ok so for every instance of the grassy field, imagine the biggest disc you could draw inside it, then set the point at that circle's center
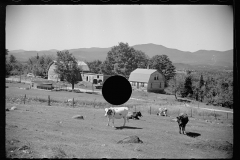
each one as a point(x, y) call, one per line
point(36, 130)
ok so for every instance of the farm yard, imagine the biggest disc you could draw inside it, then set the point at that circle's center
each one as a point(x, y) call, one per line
point(37, 129)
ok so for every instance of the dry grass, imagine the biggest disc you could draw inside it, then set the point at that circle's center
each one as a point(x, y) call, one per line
point(55, 134)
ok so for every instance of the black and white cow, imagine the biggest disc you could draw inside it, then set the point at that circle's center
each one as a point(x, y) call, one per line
point(182, 120)
point(116, 113)
point(134, 115)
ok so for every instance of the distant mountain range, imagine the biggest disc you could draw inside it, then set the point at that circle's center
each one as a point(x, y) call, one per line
point(202, 59)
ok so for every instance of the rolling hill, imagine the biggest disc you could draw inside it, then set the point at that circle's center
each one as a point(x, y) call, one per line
point(181, 59)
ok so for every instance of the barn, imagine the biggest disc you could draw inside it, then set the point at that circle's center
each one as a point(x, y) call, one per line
point(149, 80)
point(94, 78)
point(52, 75)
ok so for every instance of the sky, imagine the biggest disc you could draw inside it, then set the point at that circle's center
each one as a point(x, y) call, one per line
point(183, 27)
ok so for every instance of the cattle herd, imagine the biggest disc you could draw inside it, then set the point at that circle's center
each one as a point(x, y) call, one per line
point(123, 112)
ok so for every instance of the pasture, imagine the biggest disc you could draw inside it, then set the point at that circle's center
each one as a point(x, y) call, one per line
point(36, 130)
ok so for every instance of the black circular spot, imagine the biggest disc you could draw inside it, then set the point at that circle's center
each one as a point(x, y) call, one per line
point(116, 90)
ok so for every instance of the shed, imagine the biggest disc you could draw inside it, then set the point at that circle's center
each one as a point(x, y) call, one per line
point(42, 85)
point(150, 80)
point(93, 77)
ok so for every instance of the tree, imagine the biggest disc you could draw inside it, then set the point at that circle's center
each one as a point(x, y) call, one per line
point(95, 66)
point(39, 66)
point(176, 84)
point(201, 81)
point(210, 89)
point(17, 68)
point(187, 87)
point(37, 56)
point(123, 59)
point(163, 64)
point(12, 59)
point(8, 68)
point(13, 67)
point(201, 89)
point(6, 52)
point(67, 67)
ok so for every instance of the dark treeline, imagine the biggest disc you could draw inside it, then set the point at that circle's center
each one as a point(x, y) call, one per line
point(211, 87)
point(36, 65)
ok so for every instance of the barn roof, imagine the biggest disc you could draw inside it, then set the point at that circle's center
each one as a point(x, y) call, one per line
point(141, 75)
point(83, 65)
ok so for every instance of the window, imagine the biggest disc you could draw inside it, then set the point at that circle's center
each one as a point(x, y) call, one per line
point(97, 76)
point(142, 85)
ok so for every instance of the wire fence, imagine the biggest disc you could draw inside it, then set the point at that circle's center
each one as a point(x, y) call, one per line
point(144, 107)
point(175, 110)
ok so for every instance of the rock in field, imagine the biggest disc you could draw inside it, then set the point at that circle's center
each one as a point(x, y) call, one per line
point(78, 117)
point(131, 139)
point(13, 108)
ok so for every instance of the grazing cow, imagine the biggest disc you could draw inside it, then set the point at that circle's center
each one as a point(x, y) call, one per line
point(162, 112)
point(134, 115)
point(182, 120)
point(116, 112)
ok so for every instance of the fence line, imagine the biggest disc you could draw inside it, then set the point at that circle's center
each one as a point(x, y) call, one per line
point(191, 106)
point(192, 112)
point(210, 109)
point(153, 110)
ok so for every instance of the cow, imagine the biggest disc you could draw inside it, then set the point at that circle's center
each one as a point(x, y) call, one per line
point(134, 115)
point(182, 120)
point(116, 113)
point(162, 112)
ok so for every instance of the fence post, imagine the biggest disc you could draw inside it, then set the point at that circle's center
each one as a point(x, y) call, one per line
point(135, 108)
point(24, 98)
point(191, 112)
point(150, 110)
point(94, 103)
point(227, 115)
point(48, 100)
point(73, 102)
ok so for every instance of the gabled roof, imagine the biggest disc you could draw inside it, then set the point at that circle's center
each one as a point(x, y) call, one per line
point(83, 65)
point(141, 75)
